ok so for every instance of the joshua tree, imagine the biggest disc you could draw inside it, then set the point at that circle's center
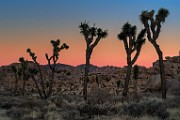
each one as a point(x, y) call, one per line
point(92, 36)
point(54, 58)
point(25, 73)
point(153, 27)
point(46, 90)
point(131, 44)
point(17, 75)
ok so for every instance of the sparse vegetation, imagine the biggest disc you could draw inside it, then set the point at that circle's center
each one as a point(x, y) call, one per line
point(65, 97)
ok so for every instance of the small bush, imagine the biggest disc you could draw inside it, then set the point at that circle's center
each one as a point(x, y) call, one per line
point(30, 103)
point(6, 105)
point(173, 102)
point(135, 110)
point(17, 113)
point(70, 115)
point(99, 96)
point(91, 109)
point(152, 108)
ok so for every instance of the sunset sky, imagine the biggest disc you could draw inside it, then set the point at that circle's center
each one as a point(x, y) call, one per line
point(33, 23)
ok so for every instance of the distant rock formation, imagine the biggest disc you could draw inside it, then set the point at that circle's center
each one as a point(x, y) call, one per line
point(69, 79)
point(175, 59)
point(172, 71)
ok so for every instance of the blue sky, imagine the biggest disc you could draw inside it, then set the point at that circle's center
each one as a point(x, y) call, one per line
point(29, 23)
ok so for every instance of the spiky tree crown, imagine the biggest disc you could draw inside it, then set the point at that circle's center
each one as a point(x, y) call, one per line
point(32, 54)
point(21, 60)
point(140, 38)
point(162, 14)
point(24, 63)
point(127, 30)
point(56, 48)
point(160, 17)
point(130, 31)
point(93, 31)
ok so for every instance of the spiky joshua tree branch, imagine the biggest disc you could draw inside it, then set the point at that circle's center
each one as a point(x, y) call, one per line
point(44, 93)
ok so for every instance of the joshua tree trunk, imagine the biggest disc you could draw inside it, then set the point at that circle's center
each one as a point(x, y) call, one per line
point(162, 71)
point(88, 56)
point(36, 84)
point(42, 80)
point(128, 75)
point(51, 84)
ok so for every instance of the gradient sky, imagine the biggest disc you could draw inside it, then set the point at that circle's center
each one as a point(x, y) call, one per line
point(33, 23)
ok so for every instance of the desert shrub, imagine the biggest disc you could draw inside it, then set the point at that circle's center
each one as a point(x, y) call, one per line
point(8, 102)
point(30, 103)
point(17, 113)
point(173, 102)
point(152, 108)
point(93, 109)
point(57, 100)
point(175, 91)
point(155, 108)
point(70, 115)
point(6, 105)
point(174, 113)
point(99, 96)
point(53, 115)
point(134, 110)
point(28, 118)
point(70, 97)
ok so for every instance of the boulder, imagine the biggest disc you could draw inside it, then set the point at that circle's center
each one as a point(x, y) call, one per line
point(155, 82)
point(174, 85)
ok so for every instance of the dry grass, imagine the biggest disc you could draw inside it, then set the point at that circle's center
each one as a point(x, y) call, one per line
point(71, 107)
point(174, 113)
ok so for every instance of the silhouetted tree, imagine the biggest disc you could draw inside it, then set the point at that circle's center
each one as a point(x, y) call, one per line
point(54, 58)
point(25, 72)
point(153, 28)
point(92, 36)
point(17, 75)
point(46, 89)
point(131, 44)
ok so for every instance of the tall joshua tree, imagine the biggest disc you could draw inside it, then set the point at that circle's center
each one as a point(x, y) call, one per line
point(24, 69)
point(46, 90)
point(54, 58)
point(17, 75)
point(153, 27)
point(132, 44)
point(92, 36)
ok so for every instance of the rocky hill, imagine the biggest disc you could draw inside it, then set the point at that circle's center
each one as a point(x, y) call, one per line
point(69, 79)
